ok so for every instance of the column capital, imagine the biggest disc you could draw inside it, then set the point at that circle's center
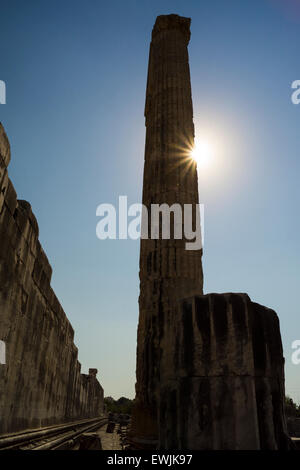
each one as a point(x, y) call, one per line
point(172, 22)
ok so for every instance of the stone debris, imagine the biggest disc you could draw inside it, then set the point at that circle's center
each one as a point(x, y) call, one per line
point(90, 441)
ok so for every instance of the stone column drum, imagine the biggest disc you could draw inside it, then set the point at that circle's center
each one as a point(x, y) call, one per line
point(222, 379)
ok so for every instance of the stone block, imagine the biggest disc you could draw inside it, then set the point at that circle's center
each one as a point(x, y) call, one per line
point(222, 377)
point(11, 197)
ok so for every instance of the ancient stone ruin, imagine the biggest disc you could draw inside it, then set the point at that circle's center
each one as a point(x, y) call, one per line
point(210, 368)
point(40, 383)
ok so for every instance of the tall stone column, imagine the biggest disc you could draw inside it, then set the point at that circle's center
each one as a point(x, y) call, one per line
point(168, 271)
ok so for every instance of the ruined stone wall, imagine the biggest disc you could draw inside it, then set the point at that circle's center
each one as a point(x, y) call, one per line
point(41, 382)
point(222, 377)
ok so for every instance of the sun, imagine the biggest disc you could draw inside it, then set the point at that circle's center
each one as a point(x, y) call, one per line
point(202, 153)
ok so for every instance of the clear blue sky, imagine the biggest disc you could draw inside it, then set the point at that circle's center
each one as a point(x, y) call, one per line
point(76, 76)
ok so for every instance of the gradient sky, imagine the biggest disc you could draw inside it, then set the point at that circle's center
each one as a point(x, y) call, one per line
point(76, 76)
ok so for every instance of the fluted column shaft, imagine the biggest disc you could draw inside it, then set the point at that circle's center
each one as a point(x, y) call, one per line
point(168, 271)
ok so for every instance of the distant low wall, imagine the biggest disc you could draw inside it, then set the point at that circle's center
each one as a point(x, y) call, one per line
point(293, 425)
point(41, 382)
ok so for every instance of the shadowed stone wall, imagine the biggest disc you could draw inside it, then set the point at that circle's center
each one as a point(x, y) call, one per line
point(41, 382)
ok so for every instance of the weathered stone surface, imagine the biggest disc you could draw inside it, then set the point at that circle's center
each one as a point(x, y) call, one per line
point(4, 146)
point(222, 377)
point(41, 382)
